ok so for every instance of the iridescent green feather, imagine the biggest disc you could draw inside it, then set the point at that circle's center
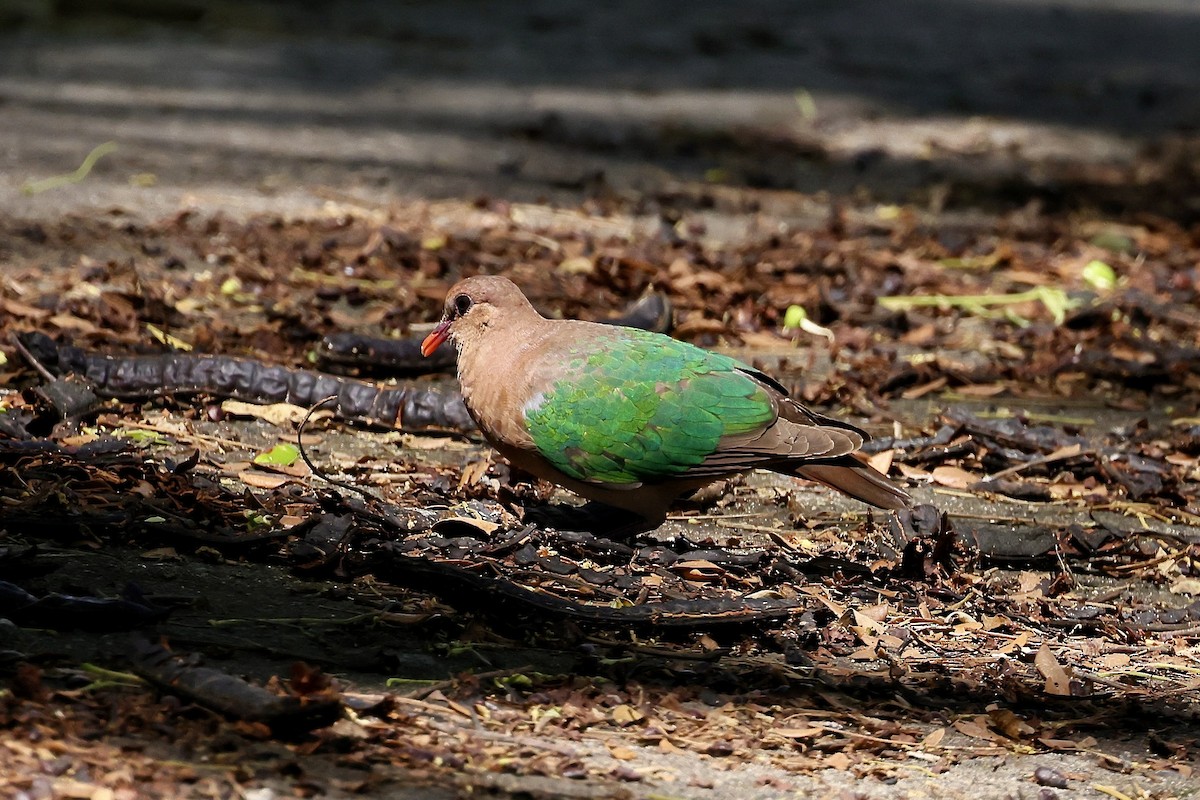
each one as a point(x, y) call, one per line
point(635, 406)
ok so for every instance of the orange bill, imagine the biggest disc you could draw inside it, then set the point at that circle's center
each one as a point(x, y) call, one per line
point(435, 338)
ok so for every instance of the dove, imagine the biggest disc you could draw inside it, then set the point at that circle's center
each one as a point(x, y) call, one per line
point(630, 418)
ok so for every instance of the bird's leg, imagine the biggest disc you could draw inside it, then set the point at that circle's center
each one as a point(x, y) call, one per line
point(617, 523)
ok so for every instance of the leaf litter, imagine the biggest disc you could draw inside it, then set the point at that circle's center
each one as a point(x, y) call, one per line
point(1059, 609)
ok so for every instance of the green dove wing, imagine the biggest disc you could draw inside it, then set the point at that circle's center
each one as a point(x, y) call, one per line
point(639, 407)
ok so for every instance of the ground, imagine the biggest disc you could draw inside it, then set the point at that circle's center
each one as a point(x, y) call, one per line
point(284, 173)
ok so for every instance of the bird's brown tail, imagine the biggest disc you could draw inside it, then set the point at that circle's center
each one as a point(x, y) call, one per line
point(859, 480)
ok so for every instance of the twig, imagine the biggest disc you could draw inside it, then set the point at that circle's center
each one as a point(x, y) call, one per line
point(417, 695)
point(29, 357)
point(221, 623)
point(317, 471)
point(1059, 455)
point(508, 738)
point(183, 436)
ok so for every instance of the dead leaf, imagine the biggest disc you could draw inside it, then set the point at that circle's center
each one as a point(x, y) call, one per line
point(933, 739)
point(16, 309)
point(1058, 744)
point(69, 322)
point(798, 733)
point(882, 460)
point(1057, 680)
point(913, 473)
point(917, 392)
point(281, 415)
point(466, 526)
point(976, 731)
point(1186, 586)
point(983, 389)
point(953, 477)
point(473, 472)
point(698, 570)
point(579, 265)
point(1009, 724)
point(1115, 660)
point(261, 480)
point(839, 761)
point(161, 554)
point(625, 715)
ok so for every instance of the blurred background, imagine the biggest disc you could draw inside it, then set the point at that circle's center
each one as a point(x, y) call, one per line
point(949, 104)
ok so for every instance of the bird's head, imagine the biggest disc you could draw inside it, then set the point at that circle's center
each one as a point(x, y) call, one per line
point(472, 306)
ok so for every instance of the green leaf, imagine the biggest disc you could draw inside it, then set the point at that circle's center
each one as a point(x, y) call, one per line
point(142, 437)
point(1100, 276)
point(1113, 241)
point(257, 520)
point(1055, 301)
point(281, 455)
point(515, 681)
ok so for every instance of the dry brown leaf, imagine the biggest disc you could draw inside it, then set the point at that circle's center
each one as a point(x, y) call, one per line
point(965, 623)
point(917, 392)
point(1058, 744)
point(920, 335)
point(1190, 586)
point(76, 441)
point(621, 753)
point(1115, 660)
point(667, 747)
point(73, 789)
point(975, 730)
point(466, 526)
point(1057, 680)
point(161, 554)
point(473, 472)
point(798, 733)
point(838, 761)
point(882, 460)
point(70, 322)
point(913, 473)
point(412, 441)
point(625, 715)
point(991, 623)
point(17, 309)
point(698, 570)
point(953, 477)
point(876, 613)
point(262, 480)
point(983, 389)
point(1009, 724)
point(933, 738)
point(281, 415)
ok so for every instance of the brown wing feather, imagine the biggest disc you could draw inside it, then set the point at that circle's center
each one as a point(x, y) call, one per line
point(808, 445)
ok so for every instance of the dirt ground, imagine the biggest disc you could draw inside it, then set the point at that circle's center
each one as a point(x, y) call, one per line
point(285, 171)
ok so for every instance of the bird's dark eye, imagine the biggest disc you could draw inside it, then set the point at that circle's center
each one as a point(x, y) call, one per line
point(462, 304)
